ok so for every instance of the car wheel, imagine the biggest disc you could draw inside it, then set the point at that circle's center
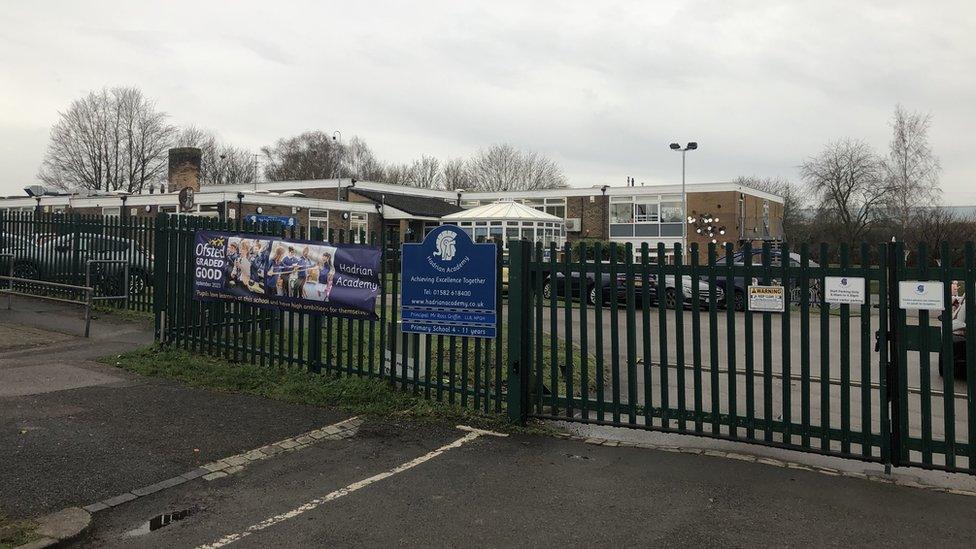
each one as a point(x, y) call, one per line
point(670, 298)
point(547, 290)
point(591, 295)
point(26, 270)
point(739, 301)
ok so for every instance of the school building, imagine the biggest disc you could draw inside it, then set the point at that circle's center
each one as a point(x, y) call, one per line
point(719, 212)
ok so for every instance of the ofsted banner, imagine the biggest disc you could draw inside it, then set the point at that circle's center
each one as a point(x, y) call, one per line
point(294, 275)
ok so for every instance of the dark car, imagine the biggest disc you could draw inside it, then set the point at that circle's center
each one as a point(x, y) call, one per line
point(63, 259)
point(736, 292)
point(614, 287)
point(611, 287)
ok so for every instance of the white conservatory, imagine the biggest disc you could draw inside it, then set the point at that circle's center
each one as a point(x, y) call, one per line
point(509, 220)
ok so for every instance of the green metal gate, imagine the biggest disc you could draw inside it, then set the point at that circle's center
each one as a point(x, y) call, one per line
point(592, 340)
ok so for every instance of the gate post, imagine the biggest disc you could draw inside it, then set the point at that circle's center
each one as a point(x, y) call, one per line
point(518, 312)
point(892, 382)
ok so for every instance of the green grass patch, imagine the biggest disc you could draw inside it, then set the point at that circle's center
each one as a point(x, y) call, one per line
point(15, 532)
point(371, 397)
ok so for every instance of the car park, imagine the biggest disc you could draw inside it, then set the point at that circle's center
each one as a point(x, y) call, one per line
point(736, 290)
point(64, 259)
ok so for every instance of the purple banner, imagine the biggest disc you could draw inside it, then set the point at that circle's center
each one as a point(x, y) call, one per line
point(293, 275)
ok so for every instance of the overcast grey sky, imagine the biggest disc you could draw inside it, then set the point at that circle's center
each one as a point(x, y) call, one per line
point(601, 87)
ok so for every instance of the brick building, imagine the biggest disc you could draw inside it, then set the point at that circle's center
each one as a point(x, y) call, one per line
point(624, 214)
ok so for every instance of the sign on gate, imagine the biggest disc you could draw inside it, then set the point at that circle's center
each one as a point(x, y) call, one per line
point(918, 294)
point(296, 275)
point(846, 290)
point(449, 285)
point(767, 299)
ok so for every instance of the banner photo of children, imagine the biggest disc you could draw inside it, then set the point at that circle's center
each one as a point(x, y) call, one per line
point(297, 275)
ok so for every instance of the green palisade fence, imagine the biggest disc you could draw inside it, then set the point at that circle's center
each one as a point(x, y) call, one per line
point(55, 247)
point(641, 337)
point(462, 371)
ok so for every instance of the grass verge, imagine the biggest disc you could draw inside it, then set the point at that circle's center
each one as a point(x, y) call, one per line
point(14, 533)
point(371, 397)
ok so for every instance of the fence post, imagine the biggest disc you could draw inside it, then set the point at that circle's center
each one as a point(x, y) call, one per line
point(518, 312)
point(160, 243)
point(892, 382)
point(315, 322)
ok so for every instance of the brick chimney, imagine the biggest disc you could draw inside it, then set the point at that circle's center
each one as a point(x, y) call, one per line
point(184, 168)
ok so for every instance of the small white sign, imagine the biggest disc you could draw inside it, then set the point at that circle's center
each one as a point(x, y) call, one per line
point(767, 299)
point(918, 294)
point(847, 290)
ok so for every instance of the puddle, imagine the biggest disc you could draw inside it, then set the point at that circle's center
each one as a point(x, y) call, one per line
point(160, 521)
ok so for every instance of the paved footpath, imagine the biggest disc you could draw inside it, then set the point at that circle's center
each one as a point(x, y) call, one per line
point(74, 431)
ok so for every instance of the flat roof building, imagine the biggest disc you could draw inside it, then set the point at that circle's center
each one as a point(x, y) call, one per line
point(652, 214)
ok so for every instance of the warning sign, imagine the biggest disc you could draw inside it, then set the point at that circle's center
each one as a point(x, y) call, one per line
point(767, 299)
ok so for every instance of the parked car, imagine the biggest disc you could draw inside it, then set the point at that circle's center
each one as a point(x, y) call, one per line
point(15, 244)
point(64, 259)
point(958, 319)
point(615, 288)
point(737, 290)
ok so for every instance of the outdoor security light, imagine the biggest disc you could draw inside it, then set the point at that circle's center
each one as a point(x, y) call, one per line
point(692, 145)
point(675, 147)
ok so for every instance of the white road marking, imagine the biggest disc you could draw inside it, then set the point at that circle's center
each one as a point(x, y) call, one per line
point(271, 521)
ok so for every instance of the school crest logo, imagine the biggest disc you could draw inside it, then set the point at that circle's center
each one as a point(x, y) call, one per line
point(445, 247)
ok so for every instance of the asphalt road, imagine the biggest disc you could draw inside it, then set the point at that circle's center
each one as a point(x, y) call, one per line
point(529, 491)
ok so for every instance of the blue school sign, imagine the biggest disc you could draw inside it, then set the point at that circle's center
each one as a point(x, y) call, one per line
point(449, 285)
point(283, 220)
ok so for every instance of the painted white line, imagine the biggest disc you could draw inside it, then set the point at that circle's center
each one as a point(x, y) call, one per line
point(481, 431)
point(271, 521)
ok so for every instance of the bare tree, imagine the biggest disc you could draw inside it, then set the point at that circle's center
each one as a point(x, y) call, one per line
point(502, 167)
point(311, 155)
point(398, 174)
point(847, 177)
point(426, 173)
point(360, 163)
point(794, 199)
point(454, 174)
point(221, 164)
point(911, 168)
point(110, 140)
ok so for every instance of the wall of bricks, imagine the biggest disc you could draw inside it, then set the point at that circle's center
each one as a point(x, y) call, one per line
point(592, 213)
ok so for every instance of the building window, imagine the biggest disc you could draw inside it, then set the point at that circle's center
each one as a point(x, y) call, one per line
point(319, 219)
point(671, 212)
point(646, 213)
point(358, 223)
point(622, 213)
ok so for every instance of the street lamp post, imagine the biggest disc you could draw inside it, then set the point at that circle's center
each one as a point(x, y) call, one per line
point(692, 145)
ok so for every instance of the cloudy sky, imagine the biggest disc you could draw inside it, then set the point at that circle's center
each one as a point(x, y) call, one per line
point(602, 87)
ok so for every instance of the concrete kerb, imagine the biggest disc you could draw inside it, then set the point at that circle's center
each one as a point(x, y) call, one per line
point(909, 477)
point(72, 521)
